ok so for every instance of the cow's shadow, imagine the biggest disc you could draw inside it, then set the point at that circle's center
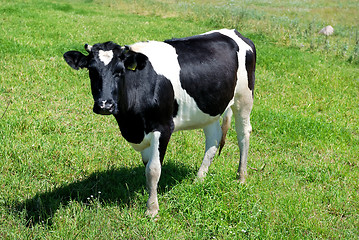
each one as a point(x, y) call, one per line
point(117, 186)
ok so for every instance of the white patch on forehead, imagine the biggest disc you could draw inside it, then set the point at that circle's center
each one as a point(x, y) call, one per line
point(105, 56)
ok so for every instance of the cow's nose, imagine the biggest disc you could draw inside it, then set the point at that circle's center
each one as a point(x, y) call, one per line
point(107, 105)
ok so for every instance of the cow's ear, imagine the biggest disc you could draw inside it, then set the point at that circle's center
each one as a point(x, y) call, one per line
point(135, 61)
point(75, 59)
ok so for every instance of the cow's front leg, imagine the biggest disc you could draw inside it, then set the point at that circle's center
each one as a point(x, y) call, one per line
point(213, 135)
point(153, 157)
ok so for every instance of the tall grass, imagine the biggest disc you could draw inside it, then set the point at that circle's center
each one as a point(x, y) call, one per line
point(67, 173)
point(289, 23)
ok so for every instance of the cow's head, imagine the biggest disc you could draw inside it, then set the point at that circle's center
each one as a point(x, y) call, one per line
point(108, 64)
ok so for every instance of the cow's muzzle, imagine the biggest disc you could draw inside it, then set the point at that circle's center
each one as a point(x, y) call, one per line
point(105, 107)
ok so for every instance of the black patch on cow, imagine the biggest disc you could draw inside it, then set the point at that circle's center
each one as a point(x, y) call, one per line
point(175, 108)
point(146, 104)
point(250, 67)
point(251, 58)
point(208, 73)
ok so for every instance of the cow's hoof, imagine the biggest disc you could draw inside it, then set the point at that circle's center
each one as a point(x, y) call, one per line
point(152, 214)
point(200, 177)
point(241, 178)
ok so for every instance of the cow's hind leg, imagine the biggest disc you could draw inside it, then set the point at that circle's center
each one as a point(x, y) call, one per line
point(226, 124)
point(213, 135)
point(242, 109)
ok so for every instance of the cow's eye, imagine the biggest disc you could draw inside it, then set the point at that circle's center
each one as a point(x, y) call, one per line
point(92, 65)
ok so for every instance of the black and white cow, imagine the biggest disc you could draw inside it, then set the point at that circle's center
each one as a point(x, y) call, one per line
point(156, 88)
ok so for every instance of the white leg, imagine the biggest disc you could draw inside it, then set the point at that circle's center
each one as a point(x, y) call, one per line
point(146, 155)
point(151, 156)
point(213, 135)
point(243, 129)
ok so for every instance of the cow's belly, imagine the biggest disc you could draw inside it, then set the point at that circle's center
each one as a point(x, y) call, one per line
point(189, 116)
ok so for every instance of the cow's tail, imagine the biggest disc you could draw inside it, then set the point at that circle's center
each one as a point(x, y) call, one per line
point(227, 117)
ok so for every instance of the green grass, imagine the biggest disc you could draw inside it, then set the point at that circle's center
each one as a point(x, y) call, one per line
point(65, 173)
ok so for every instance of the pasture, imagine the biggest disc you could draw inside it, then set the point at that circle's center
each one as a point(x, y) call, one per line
point(66, 173)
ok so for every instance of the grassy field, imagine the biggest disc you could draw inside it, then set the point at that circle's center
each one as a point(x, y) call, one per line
point(65, 173)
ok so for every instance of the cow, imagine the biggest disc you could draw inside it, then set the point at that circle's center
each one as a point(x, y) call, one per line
point(154, 89)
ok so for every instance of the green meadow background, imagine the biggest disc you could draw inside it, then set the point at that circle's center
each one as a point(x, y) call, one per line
point(66, 173)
